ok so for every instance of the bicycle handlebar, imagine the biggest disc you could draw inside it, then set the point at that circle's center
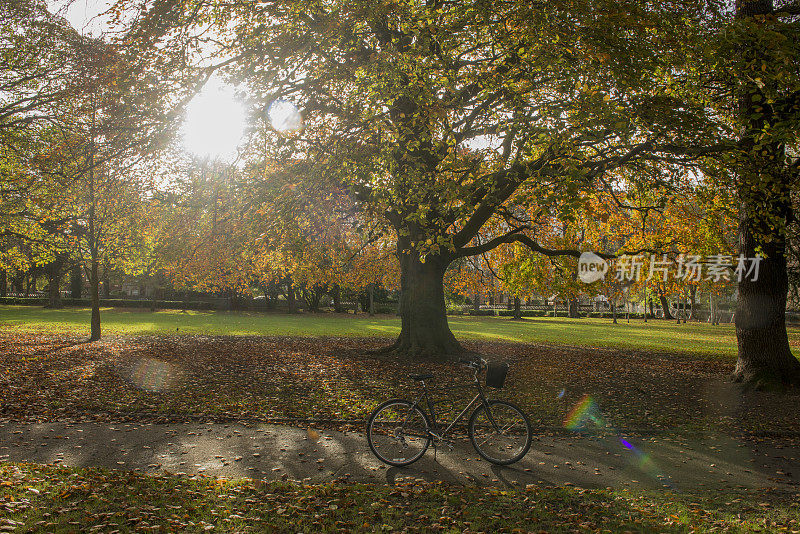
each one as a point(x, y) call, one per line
point(478, 364)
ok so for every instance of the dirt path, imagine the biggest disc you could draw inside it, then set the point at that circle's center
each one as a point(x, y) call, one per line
point(708, 461)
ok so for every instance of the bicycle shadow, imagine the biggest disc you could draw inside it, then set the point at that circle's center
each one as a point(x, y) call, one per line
point(434, 470)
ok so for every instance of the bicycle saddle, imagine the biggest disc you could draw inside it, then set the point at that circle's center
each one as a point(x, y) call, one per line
point(425, 376)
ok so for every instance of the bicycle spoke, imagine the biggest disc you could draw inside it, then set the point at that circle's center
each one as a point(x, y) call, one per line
point(501, 437)
point(398, 433)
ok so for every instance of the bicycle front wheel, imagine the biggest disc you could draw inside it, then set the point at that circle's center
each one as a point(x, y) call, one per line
point(502, 433)
point(397, 432)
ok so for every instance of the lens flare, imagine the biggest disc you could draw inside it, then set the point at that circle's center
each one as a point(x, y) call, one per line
point(154, 375)
point(284, 116)
point(586, 417)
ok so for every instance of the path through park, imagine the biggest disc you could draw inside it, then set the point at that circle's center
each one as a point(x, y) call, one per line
point(263, 451)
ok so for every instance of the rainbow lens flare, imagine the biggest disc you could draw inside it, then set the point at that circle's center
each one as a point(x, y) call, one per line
point(585, 414)
point(586, 417)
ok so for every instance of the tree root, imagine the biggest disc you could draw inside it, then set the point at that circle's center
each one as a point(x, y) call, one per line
point(767, 379)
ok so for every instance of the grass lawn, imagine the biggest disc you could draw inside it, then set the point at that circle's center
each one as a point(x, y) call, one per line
point(40, 498)
point(658, 336)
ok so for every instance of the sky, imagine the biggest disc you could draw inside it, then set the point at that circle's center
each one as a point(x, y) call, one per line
point(82, 14)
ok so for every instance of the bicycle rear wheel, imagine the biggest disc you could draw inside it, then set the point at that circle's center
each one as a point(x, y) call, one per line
point(501, 435)
point(397, 432)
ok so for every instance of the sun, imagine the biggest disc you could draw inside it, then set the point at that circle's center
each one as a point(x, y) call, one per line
point(215, 122)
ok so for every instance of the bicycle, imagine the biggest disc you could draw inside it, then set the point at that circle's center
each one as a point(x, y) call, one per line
point(399, 431)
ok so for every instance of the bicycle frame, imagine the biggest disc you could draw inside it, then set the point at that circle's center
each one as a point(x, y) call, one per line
point(440, 435)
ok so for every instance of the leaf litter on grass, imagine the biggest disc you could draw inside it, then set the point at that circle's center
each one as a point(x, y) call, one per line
point(40, 498)
point(179, 378)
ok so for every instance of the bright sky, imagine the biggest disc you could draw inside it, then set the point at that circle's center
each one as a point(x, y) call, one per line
point(82, 14)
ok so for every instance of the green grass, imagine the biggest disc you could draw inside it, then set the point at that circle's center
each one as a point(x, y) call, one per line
point(41, 498)
point(661, 336)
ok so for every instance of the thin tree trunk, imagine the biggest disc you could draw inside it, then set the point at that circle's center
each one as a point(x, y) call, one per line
point(476, 303)
point(665, 306)
point(76, 281)
point(94, 251)
point(3, 283)
point(106, 283)
point(711, 310)
point(290, 297)
point(272, 295)
point(31, 281)
point(371, 300)
point(153, 294)
point(644, 306)
point(94, 282)
point(614, 312)
point(517, 309)
point(650, 304)
point(18, 283)
point(54, 283)
point(336, 295)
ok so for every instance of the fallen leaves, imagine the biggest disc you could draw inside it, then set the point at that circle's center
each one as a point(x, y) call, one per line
point(331, 380)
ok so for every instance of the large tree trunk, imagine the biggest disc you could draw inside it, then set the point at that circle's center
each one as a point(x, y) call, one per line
point(573, 308)
point(764, 353)
point(423, 315)
point(764, 356)
point(517, 309)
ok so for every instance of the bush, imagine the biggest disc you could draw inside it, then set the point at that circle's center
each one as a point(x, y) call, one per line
point(24, 301)
point(525, 313)
point(115, 303)
point(481, 313)
point(390, 309)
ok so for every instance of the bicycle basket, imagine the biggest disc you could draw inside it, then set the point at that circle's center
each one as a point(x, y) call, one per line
point(496, 374)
